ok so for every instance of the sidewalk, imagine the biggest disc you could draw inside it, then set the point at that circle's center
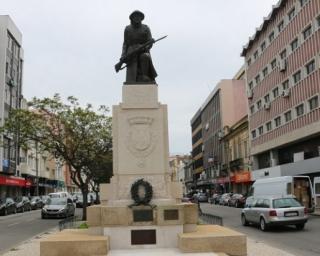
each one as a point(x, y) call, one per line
point(32, 247)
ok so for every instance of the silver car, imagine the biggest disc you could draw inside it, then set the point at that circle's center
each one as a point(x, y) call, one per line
point(58, 207)
point(274, 211)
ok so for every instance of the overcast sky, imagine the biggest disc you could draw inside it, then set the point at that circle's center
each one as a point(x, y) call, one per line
point(71, 47)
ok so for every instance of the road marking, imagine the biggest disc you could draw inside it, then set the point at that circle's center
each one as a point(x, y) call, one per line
point(13, 224)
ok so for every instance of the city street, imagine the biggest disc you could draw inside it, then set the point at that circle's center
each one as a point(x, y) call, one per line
point(289, 239)
point(16, 228)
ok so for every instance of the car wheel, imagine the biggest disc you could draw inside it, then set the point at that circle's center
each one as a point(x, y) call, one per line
point(43, 216)
point(263, 225)
point(300, 226)
point(244, 220)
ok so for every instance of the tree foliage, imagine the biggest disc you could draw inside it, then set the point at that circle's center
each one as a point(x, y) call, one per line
point(78, 136)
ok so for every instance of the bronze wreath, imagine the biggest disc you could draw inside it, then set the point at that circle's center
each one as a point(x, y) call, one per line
point(135, 192)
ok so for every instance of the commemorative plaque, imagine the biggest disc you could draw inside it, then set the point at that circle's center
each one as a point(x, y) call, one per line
point(172, 214)
point(142, 215)
point(143, 236)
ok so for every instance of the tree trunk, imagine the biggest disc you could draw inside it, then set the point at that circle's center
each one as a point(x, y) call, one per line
point(97, 197)
point(85, 202)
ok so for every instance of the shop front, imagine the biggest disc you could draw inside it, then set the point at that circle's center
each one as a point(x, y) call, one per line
point(241, 182)
point(12, 186)
point(221, 185)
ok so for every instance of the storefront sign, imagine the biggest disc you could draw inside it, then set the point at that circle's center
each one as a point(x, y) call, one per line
point(10, 181)
point(241, 177)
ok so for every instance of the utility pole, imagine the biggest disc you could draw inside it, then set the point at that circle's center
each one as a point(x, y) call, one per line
point(37, 170)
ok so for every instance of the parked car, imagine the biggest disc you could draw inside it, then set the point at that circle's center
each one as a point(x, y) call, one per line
point(213, 198)
point(201, 197)
point(58, 207)
point(36, 203)
point(217, 199)
point(44, 199)
point(79, 203)
point(237, 200)
point(224, 199)
point(23, 204)
point(270, 211)
point(7, 206)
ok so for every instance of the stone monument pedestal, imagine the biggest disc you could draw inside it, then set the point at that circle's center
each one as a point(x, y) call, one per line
point(149, 216)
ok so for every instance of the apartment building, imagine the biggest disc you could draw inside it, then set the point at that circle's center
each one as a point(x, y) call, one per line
point(222, 108)
point(283, 84)
point(11, 67)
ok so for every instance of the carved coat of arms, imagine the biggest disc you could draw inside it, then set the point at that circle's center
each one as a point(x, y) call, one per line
point(141, 139)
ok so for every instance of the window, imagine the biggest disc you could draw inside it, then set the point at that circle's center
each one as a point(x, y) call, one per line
point(252, 109)
point(303, 2)
point(253, 133)
point(300, 110)
point(277, 121)
point(297, 77)
point(263, 46)
point(275, 92)
point(273, 64)
point(256, 54)
point(265, 71)
point(287, 116)
point(269, 126)
point(294, 44)
point(291, 13)
point(318, 21)
point(314, 103)
point(283, 54)
point(259, 104)
point(280, 26)
point(271, 37)
point(251, 85)
point(260, 130)
point(307, 32)
point(266, 98)
point(285, 85)
point(310, 67)
point(249, 61)
point(258, 79)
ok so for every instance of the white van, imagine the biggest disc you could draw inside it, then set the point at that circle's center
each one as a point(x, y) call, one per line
point(59, 194)
point(298, 186)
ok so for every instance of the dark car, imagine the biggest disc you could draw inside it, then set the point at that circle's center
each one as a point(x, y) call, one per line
point(23, 204)
point(7, 206)
point(201, 197)
point(58, 207)
point(237, 200)
point(36, 203)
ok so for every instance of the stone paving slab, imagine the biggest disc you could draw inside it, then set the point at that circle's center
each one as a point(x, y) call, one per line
point(32, 248)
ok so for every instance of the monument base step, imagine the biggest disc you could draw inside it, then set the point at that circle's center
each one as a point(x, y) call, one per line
point(213, 238)
point(159, 252)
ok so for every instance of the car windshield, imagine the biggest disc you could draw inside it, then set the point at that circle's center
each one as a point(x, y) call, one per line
point(285, 203)
point(54, 195)
point(33, 199)
point(56, 201)
point(2, 200)
point(19, 199)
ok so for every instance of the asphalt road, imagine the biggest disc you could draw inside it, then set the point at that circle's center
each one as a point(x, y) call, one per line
point(16, 228)
point(305, 242)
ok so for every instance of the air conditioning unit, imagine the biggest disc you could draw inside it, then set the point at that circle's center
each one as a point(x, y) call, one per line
point(207, 126)
point(282, 65)
point(210, 160)
point(285, 93)
point(267, 105)
point(249, 94)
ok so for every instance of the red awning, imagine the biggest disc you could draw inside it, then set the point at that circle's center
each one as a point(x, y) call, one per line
point(12, 181)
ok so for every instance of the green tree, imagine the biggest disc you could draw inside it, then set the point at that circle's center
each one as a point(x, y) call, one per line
point(77, 136)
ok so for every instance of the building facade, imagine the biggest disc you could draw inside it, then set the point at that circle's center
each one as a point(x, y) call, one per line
point(283, 83)
point(11, 69)
point(221, 110)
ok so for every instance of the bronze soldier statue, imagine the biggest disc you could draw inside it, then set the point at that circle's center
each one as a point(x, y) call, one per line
point(136, 51)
